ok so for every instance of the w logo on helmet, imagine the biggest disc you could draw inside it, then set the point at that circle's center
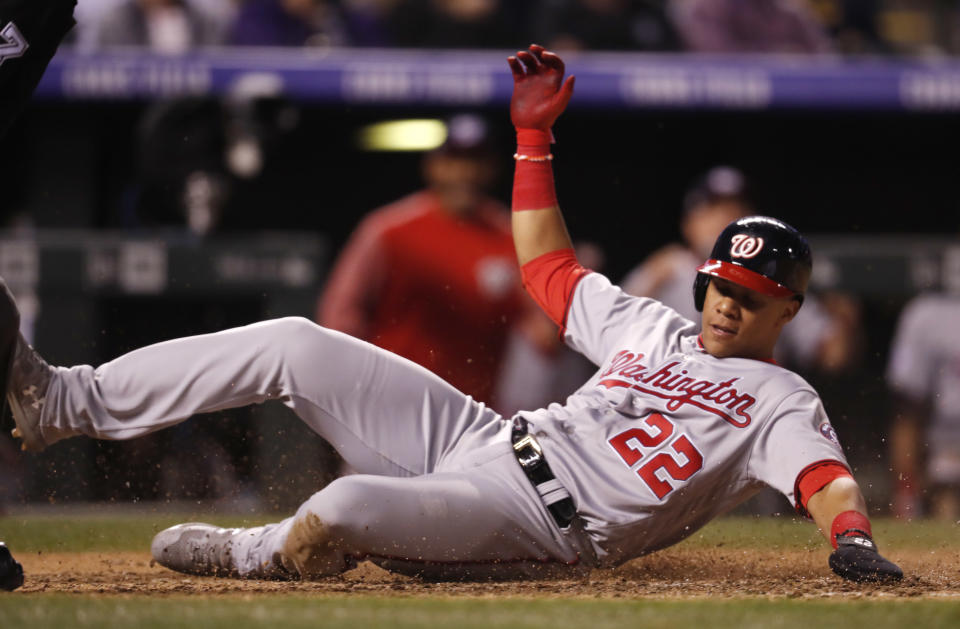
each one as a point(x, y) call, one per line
point(744, 246)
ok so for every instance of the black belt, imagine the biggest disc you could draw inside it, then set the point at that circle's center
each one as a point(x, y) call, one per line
point(534, 465)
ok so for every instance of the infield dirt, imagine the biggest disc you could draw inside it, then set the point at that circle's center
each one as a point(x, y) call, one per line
point(673, 573)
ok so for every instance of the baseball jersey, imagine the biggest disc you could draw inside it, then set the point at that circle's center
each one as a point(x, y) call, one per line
point(440, 290)
point(664, 437)
point(924, 366)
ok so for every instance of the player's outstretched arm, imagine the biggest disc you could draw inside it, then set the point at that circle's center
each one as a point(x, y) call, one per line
point(840, 511)
point(540, 95)
point(548, 266)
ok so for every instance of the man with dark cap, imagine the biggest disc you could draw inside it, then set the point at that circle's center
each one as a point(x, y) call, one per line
point(433, 276)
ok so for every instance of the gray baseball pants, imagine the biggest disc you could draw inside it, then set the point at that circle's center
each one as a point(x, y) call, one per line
point(438, 491)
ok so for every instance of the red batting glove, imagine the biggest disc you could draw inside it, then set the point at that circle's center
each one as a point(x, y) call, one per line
point(539, 92)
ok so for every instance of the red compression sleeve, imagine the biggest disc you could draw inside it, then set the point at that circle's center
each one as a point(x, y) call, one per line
point(550, 280)
point(849, 522)
point(815, 477)
point(533, 186)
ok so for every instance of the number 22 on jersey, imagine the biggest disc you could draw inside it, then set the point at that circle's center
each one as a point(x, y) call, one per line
point(678, 461)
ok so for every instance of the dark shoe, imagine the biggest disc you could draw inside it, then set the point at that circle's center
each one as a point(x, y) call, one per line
point(29, 379)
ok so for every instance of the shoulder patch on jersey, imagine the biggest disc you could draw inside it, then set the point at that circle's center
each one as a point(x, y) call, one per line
point(12, 42)
point(829, 433)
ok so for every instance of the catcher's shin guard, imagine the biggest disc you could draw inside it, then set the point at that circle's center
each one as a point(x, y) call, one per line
point(9, 331)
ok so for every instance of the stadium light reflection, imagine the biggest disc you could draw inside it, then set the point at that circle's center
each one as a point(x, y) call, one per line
point(403, 135)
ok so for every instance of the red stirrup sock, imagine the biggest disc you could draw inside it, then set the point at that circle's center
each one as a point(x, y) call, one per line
point(849, 522)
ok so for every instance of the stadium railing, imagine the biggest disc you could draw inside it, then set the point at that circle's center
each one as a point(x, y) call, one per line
point(481, 78)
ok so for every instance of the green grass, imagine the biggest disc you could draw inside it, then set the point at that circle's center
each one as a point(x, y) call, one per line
point(100, 533)
point(290, 612)
point(93, 532)
point(796, 533)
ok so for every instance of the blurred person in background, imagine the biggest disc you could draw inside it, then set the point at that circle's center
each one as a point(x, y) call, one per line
point(162, 26)
point(289, 23)
point(208, 165)
point(457, 23)
point(181, 181)
point(825, 333)
point(630, 25)
point(433, 276)
point(924, 374)
point(368, 21)
point(748, 26)
point(853, 25)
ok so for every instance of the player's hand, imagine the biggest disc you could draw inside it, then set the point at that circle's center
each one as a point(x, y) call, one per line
point(539, 92)
point(856, 559)
point(11, 572)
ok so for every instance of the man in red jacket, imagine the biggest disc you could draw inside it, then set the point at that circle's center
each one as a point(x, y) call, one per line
point(433, 276)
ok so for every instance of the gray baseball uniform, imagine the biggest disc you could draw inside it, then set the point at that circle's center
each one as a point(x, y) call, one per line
point(660, 440)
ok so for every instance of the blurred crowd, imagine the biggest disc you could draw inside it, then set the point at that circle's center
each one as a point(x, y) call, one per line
point(908, 27)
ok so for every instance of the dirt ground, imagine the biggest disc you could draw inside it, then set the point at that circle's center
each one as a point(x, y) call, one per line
point(674, 573)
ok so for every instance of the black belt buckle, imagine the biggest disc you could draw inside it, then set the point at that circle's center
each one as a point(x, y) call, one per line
point(529, 453)
point(530, 457)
